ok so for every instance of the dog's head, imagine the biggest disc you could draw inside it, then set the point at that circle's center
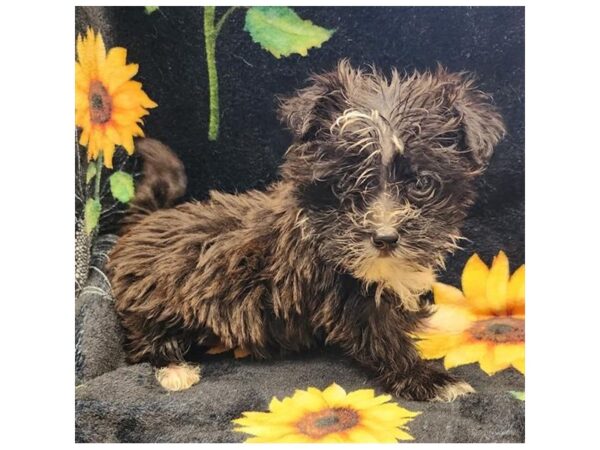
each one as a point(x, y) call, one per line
point(384, 169)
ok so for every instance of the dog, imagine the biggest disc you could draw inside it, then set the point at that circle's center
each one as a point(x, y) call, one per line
point(339, 251)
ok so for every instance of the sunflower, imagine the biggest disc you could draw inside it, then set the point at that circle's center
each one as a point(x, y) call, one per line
point(328, 416)
point(484, 323)
point(108, 104)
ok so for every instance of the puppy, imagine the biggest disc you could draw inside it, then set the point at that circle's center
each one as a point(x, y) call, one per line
point(339, 251)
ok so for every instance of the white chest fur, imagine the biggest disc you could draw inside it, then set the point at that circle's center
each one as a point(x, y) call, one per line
point(409, 283)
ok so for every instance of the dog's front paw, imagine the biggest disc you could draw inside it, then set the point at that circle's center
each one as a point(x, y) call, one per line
point(178, 377)
point(426, 383)
point(452, 391)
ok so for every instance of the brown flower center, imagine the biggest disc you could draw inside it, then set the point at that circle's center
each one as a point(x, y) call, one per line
point(100, 103)
point(499, 329)
point(321, 423)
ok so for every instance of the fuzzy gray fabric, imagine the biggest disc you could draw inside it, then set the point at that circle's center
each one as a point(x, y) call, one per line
point(98, 335)
point(115, 402)
point(128, 405)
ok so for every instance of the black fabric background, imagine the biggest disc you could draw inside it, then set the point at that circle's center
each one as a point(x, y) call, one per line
point(169, 47)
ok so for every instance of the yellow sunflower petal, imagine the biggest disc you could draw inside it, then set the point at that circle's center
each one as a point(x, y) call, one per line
point(402, 435)
point(447, 295)
point(334, 395)
point(516, 289)
point(99, 51)
point(508, 353)
point(114, 61)
point(255, 417)
point(332, 438)
point(449, 319)
point(310, 400)
point(117, 56)
point(361, 434)
point(85, 53)
point(286, 408)
point(436, 346)
point(489, 364)
point(497, 283)
point(275, 405)
point(108, 150)
point(85, 137)
point(293, 438)
point(251, 418)
point(93, 146)
point(384, 433)
point(113, 134)
point(127, 99)
point(81, 100)
point(465, 354)
point(82, 79)
point(364, 398)
point(136, 130)
point(124, 118)
point(519, 364)
point(256, 440)
point(120, 75)
point(474, 279)
point(390, 412)
point(83, 119)
point(132, 90)
point(78, 47)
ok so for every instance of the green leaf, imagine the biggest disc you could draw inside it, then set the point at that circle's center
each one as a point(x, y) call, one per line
point(519, 395)
point(91, 214)
point(282, 32)
point(121, 186)
point(150, 9)
point(91, 171)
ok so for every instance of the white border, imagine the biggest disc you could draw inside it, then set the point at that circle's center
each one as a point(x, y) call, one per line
point(561, 197)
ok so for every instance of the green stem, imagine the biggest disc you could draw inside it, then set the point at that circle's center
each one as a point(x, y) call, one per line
point(210, 40)
point(211, 31)
point(224, 17)
point(99, 165)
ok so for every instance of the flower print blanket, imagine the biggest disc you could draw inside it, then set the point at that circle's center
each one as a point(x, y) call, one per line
point(117, 402)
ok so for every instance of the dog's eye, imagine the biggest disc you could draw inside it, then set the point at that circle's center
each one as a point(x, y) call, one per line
point(423, 183)
point(423, 187)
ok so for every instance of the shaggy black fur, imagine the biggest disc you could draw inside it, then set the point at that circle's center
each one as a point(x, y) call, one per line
point(371, 196)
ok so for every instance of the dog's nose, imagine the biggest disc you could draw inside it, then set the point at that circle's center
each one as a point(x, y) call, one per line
point(385, 239)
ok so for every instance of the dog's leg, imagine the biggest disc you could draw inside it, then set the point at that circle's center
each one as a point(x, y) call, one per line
point(376, 337)
point(166, 354)
point(422, 381)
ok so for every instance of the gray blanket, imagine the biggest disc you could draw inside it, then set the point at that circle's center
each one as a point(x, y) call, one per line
point(115, 402)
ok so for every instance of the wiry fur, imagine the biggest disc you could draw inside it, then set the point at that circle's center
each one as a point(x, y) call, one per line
point(282, 270)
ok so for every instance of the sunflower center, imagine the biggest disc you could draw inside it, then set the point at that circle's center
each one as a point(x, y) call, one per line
point(321, 423)
point(100, 103)
point(499, 329)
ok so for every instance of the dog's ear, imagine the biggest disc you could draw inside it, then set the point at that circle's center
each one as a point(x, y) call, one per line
point(306, 110)
point(481, 123)
point(297, 112)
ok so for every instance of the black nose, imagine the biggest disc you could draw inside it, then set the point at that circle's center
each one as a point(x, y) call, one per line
point(385, 239)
